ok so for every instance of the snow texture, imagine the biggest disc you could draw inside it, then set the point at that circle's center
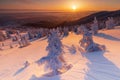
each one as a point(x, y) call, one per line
point(100, 65)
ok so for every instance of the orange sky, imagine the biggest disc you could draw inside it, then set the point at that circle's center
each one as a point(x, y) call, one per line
point(61, 5)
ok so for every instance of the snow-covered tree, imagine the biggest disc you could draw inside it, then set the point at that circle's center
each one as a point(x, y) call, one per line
point(65, 31)
point(31, 36)
point(102, 25)
point(75, 29)
point(84, 31)
point(94, 26)
point(59, 32)
point(54, 60)
point(2, 39)
point(88, 44)
point(22, 39)
point(78, 30)
point(110, 23)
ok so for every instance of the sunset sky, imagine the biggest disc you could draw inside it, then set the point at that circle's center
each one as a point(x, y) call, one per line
point(61, 5)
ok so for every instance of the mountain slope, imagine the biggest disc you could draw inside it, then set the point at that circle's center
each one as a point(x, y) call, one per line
point(90, 66)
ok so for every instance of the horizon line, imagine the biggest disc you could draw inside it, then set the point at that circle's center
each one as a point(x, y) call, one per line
point(40, 10)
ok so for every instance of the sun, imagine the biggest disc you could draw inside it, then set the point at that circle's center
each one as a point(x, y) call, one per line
point(74, 7)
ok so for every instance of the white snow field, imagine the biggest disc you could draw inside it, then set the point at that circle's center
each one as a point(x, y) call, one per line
point(89, 66)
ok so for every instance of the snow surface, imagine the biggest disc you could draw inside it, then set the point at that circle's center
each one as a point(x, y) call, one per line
point(90, 66)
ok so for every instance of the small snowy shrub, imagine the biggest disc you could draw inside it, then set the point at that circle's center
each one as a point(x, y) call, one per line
point(110, 23)
point(88, 44)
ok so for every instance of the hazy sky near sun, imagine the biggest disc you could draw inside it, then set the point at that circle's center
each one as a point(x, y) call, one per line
point(65, 5)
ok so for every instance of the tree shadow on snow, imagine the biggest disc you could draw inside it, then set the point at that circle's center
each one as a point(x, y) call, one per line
point(71, 49)
point(100, 68)
point(44, 78)
point(20, 70)
point(43, 38)
point(106, 36)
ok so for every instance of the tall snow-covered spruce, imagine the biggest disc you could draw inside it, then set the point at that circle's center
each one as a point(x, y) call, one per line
point(54, 60)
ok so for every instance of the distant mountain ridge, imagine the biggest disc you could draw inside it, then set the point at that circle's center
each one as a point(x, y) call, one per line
point(102, 15)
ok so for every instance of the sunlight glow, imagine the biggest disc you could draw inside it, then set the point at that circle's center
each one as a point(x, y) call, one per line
point(74, 7)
